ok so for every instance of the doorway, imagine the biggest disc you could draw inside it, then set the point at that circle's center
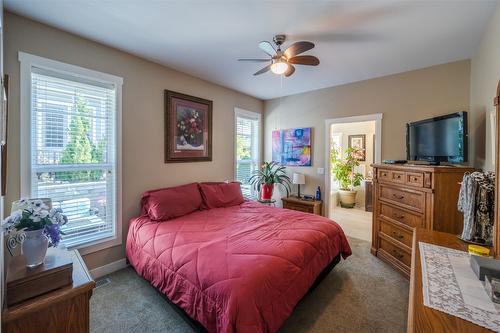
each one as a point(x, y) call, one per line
point(363, 133)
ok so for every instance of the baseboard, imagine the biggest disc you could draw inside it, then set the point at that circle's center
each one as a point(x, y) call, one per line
point(108, 268)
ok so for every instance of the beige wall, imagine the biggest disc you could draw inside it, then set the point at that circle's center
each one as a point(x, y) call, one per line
point(400, 98)
point(485, 73)
point(144, 82)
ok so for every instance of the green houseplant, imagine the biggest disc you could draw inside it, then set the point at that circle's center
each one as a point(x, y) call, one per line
point(269, 174)
point(343, 171)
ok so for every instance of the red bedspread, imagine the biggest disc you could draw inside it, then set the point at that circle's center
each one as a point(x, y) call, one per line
point(237, 269)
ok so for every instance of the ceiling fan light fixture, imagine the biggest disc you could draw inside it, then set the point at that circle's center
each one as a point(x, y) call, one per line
point(279, 67)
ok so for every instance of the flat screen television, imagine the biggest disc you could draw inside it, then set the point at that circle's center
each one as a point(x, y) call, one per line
point(438, 139)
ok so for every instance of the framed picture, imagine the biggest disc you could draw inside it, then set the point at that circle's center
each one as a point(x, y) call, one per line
point(292, 146)
point(188, 128)
point(4, 115)
point(358, 142)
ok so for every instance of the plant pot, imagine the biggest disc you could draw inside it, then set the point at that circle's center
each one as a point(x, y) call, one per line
point(34, 247)
point(267, 191)
point(347, 198)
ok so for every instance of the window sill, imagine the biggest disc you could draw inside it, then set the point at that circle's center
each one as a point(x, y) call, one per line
point(97, 245)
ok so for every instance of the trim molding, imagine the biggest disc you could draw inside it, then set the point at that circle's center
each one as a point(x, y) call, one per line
point(108, 268)
point(377, 117)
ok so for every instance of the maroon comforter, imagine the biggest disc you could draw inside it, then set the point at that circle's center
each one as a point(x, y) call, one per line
point(237, 269)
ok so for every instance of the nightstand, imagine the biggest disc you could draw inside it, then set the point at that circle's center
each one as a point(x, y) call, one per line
point(64, 310)
point(307, 206)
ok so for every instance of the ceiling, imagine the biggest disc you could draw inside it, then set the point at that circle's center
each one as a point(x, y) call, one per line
point(355, 40)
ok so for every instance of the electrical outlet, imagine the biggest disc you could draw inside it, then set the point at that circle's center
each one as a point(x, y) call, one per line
point(321, 171)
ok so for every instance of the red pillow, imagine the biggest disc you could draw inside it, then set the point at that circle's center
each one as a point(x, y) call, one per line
point(172, 202)
point(217, 195)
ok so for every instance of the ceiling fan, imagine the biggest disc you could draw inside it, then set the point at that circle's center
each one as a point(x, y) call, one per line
point(282, 62)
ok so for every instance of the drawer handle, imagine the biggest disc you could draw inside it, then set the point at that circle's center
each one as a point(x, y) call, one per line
point(398, 216)
point(415, 179)
point(400, 197)
point(398, 236)
point(398, 176)
point(397, 254)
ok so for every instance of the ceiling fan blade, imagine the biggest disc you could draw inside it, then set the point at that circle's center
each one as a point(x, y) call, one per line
point(254, 60)
point(290, 70)
point(267, 48)
point(298, 48)
point(263, 70)
point(304, 60)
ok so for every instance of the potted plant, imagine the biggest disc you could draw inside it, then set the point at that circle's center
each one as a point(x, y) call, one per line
point(269, 174)
point(38, 227)
point(343, 170)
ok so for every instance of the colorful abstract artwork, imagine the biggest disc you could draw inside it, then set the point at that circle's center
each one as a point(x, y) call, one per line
point(292, 146)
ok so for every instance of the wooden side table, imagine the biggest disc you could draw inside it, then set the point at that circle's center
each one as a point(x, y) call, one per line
point(307, 206)
point(65, 310)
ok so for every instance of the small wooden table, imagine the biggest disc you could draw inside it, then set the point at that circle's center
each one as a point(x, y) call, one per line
point(308, 206)
point(65, 310)
point(420, 317)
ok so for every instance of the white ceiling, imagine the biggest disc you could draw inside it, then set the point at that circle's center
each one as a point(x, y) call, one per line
point(355, 40)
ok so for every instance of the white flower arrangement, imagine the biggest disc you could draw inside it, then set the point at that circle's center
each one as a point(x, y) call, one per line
point(36, 215)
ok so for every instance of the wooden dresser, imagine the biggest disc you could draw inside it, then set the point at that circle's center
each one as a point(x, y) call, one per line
point(308, 206)
point(64, 310)
point(410, 196)
point(423, 319)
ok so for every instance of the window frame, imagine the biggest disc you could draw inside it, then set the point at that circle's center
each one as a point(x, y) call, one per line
point(253, 116)
point(27, 62)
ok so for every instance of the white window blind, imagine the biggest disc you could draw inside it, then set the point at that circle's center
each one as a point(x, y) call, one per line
point(73, 152)
point(247, 149)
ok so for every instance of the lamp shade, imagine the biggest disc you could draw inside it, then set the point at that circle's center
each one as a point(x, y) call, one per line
point(299, 179)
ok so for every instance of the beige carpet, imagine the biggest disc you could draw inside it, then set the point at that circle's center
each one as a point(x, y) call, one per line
point(361, 294)
point(355, 222)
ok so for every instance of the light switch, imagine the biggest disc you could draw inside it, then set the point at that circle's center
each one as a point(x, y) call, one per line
point(321, 171)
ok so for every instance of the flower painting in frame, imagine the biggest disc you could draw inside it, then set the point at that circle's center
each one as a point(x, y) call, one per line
point(358, 142)
point(188, 128)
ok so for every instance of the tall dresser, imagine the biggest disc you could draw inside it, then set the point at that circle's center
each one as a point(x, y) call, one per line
point(408, 196)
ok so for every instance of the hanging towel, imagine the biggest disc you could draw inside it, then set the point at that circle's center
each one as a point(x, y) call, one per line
point(467, 205)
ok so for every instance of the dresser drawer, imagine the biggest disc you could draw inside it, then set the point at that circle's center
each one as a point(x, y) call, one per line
point(414, 179)
point(401, 216)
point(397, 177)
point(395, 232)
point(405, 197)
point(305, 209)
point(396, 252)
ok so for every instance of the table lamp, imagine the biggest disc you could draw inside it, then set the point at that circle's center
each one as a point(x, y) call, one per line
point(298, 179)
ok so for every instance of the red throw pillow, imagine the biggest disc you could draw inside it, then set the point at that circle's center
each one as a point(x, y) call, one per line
point(217, 195)
point(172, 202)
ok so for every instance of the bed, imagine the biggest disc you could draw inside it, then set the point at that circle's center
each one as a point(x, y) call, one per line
point(237, 268)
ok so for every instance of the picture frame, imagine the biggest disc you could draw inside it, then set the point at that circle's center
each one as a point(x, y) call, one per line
point(4, 117)
point(188, 128)
point(358, 142)
point(293, 146)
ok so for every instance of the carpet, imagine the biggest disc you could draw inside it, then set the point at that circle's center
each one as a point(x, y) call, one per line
point(361, 294)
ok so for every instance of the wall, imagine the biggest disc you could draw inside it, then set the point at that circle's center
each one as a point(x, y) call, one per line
point(368, 129)
point(485, 73)
point(400, 98)
point(144, 82)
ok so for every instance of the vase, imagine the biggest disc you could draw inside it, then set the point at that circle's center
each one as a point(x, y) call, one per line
point(267, 191)
point(34, 247)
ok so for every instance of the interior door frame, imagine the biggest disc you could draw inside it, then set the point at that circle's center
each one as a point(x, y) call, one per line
point(377, 117)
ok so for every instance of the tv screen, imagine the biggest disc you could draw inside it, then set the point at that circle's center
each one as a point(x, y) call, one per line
point(439, 139)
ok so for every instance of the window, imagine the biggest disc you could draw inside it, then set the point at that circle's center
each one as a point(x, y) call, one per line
point(247, 156)
point(70, 149)
point(53, 131)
